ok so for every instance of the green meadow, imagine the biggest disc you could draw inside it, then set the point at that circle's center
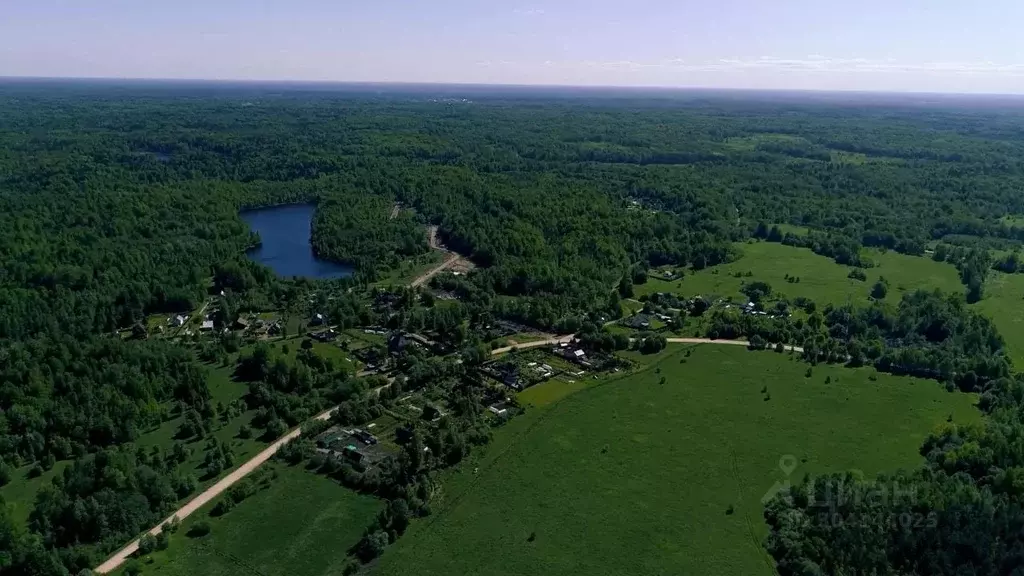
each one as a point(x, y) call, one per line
point(302, 524)
point(1004, 304)
point(821, 279)
point(662, 471)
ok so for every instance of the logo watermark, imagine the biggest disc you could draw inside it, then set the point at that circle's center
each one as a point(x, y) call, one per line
point(851, 499)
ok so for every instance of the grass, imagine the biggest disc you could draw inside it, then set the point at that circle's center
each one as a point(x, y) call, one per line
point(410, 269)
point(1004, 296)
point(521, 338)
point(20, 493)
point(631, 476)
point(553, 390)
point(303, 524)
point(821, 279)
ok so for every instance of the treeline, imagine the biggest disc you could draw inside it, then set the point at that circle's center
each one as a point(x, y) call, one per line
point(928, 334)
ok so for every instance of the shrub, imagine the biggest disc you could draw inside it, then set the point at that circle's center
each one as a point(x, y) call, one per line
point(147, 544)
point(199, 529)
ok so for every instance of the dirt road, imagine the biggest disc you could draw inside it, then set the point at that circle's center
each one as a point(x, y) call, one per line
point(207, 495)
point(569, 338)
point(226, 482)
point(449, 260)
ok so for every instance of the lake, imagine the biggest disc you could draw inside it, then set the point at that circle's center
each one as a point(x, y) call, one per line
point(286, 250)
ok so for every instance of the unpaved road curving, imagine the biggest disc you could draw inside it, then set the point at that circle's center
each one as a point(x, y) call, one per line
point(122, 555)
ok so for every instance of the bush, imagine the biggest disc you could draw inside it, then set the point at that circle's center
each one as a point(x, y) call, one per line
point(372, 545)
point(6, 472)
point(224, 505)
point(757, 342)
point(172, 525)
point(199, 529)
point(351, 567)
point(880, 289)
point(147, 544)
point(132, 568)
point(857, 274)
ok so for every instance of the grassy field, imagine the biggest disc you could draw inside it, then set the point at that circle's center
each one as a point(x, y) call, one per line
point(635, 476)
point(303, 524)
point(821, 279)
point(1004, 296)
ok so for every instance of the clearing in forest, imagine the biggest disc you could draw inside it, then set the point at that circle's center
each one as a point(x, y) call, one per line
point(638, 476)
point(1004, 296)
point(820, 278)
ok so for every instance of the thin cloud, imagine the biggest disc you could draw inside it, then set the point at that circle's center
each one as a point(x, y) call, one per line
point(812, 64)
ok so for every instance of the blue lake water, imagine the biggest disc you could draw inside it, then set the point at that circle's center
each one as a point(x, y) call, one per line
point(286, 249)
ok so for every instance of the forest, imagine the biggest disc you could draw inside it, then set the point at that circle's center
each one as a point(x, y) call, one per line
point(121, 201)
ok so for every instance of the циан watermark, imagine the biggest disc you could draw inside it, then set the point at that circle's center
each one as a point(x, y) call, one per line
point(851, 499)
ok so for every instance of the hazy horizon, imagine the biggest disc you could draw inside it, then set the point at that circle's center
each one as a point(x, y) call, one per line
point(913, 46)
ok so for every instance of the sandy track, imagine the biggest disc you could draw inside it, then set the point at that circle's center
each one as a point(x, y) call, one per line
point(569, 338)
point(207, 495)
point(449, 261)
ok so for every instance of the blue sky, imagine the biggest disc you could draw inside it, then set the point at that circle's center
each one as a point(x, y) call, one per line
point(898, 45)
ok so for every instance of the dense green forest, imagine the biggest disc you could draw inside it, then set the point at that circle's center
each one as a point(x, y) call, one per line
point(118, 201)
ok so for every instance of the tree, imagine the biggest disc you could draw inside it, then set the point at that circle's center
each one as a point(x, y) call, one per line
point(372, 545)
point(880, 289)
point(761, 231)
point(757, 342)
point(626, 287)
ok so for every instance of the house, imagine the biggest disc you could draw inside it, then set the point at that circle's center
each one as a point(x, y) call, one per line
point(397, 342)
point(638, 322)
point(579, 354)
point(179, 320)
point(499, 409)
point(325, 336)
point(275, 329)
point(242, 324)
point(207, 325)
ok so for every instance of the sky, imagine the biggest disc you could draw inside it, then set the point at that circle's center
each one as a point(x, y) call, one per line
point(872, 45)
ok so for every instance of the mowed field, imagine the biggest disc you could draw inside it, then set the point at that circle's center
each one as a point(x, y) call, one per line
point(821, 279)
point(302, 525)
point(635, 476)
